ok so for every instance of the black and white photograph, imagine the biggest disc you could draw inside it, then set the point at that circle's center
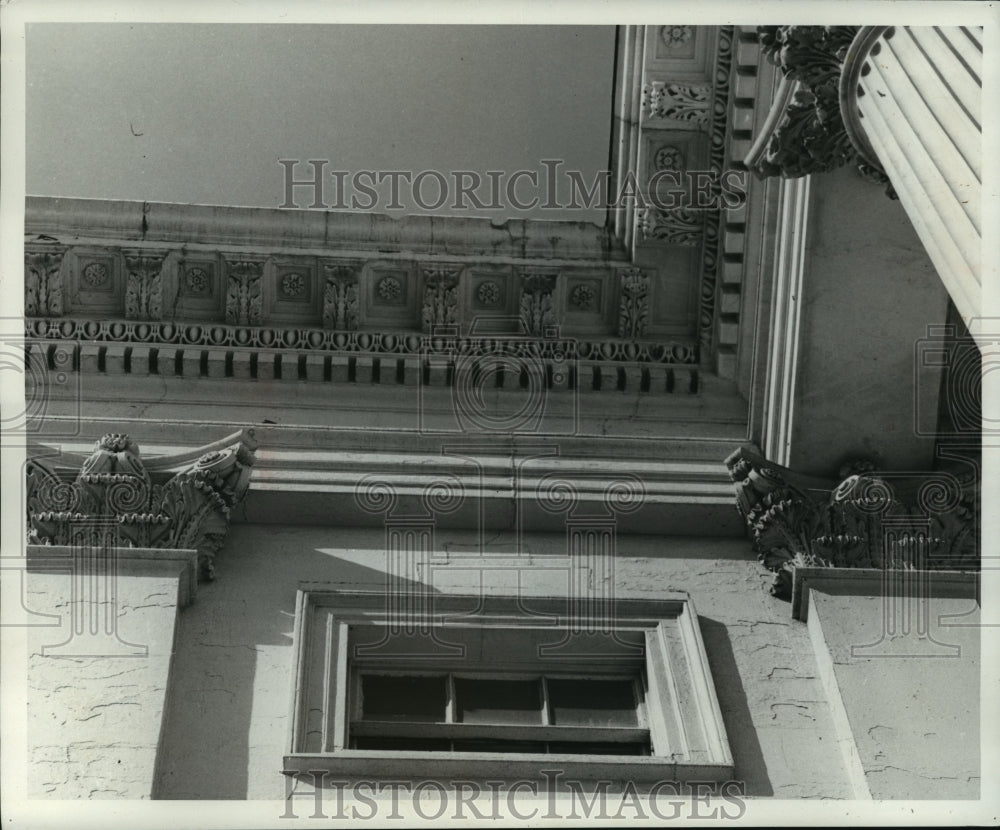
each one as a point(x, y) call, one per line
point(499, 415)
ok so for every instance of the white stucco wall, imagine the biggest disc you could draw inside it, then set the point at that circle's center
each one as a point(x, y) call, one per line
point(227, 722)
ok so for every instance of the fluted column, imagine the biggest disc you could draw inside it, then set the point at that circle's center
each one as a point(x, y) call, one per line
point(911, 100)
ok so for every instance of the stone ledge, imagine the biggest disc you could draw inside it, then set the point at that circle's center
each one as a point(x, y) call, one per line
point(128, 562)
point(875, 581)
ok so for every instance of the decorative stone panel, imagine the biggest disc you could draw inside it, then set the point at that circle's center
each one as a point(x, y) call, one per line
point(245, 291)
point(633, 304)
point(295, 298)
point(536, 308)
point(391, 295)
point(340, 294)
point(43, 282)
point(200, 294)
point(440, 300)
point(96, 281)
point(144, 285)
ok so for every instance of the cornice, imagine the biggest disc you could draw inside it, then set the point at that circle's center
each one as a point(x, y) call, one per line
point(315, 232)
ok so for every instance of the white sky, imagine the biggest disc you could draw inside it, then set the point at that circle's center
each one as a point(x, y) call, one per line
point(218, 105)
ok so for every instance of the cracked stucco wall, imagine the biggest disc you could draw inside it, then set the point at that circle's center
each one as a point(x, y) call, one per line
point(227, 721)
point(94, 709)
point(908, 675)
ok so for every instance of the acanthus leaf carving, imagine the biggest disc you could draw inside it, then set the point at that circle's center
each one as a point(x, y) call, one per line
point(244, 292)
point(811, 136)
point(43, 288)
point(810, 139)
point(680, 226)
point(340, 296)
point(688, 102)
point(633, 305)
point(440, 305)
point(868, 520)
point(535, 307)
point(811, 54)
point(190, 510)
point(143, 286)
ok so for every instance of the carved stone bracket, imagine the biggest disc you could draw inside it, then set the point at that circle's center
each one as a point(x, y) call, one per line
point(633, 308)
point(43, 288)
point(187, 510)
point(535, 307)
point(866, 520)
point(340, 296)
point(244, 292)
point(143, 286)
point(440, 306)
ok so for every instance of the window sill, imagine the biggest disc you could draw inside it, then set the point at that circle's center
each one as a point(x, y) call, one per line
point(464, 766)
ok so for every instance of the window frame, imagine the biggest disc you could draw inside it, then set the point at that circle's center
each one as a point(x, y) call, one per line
point(687, 735)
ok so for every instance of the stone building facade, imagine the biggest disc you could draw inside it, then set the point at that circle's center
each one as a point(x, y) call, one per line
point(676, 500)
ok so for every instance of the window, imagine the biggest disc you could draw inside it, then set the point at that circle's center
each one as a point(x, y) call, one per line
point(488, 712)
point(500, 685)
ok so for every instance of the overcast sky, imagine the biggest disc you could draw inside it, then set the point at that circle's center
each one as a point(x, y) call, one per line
point(202, 113)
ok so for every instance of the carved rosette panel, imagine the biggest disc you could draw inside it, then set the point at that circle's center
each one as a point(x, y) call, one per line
point(680, 226)
point(143, 286)
point(583, 297)
point(535, 307)
point(440, 306)
point(676, 36)
point(689, 102)
point(43, 289)
point(244, 292)
point(633, 307)
point(340, 297)
point(867, 520)
point(190, 510)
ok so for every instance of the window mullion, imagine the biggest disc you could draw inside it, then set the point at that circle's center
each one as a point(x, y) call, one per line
point(546, 713)
point(449, 709)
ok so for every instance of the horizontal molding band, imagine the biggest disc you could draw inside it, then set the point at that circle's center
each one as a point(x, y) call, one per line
point(327, 232)
point(218, 335)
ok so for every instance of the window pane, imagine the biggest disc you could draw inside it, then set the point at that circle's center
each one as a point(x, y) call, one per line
point(592, 702)
point(496, 745)
point(498, 701)
point(390, 697)
point(414, 744)
point(598, 748)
